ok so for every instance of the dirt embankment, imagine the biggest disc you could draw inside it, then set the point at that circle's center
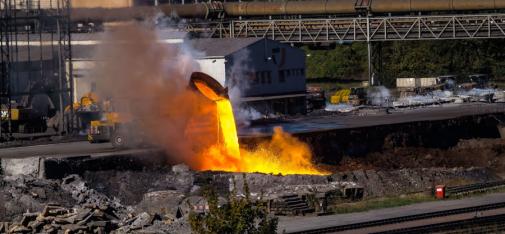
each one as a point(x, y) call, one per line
point(486, 153)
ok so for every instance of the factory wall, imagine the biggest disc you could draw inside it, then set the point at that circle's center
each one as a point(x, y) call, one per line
point(271, 68)
point(271, 75)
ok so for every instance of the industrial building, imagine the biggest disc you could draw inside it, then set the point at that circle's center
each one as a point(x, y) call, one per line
point(269, 74)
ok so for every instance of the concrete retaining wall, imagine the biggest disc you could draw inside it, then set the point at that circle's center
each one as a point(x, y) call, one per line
point(56, 168)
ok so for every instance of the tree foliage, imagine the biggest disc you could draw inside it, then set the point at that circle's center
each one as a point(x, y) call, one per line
point(411, 59)
point(239, 215)
point(344, 62)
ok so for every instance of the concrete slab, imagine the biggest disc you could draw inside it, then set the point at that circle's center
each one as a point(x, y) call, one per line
point(38, 161)
point(22, 166)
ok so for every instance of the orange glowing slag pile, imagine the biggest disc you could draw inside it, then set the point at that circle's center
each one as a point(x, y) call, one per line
point(283, 154)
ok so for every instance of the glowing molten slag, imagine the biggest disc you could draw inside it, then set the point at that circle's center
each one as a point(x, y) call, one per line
point(283, 154)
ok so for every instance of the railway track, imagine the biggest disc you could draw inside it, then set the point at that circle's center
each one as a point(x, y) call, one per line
point(488, 224)
point(396, 220)
point(481, 187)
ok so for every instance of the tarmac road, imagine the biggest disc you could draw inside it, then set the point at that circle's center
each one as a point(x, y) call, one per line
point(70, 149)
point(304, 124)
point(368, 119)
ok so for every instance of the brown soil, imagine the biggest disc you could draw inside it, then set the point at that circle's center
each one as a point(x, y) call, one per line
point(487, 153)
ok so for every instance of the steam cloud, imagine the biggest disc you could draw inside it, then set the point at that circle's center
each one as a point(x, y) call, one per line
point(379, 96)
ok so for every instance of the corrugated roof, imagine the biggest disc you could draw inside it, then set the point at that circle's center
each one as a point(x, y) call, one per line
point(217, 47)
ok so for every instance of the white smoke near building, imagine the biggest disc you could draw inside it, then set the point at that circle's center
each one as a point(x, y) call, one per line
point(237, 83)
point(379, 96)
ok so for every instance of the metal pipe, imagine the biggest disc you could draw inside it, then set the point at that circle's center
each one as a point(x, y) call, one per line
point(289, 7)
point(199, 10)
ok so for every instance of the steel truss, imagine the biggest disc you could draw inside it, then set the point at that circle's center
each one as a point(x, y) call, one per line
point(358, 29)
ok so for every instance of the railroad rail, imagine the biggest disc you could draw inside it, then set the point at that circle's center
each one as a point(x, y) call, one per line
point(463, 189)
point(404, 219)
point(495, 221)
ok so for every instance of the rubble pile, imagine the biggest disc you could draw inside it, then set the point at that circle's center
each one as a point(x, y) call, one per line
point(88, 219)
point(87, 211)
point(160, 201)
point(55, 218)
point(21, 193)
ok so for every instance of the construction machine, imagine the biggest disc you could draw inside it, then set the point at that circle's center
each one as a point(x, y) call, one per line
point(111, 126)
point(29, 117)
point(351, 96)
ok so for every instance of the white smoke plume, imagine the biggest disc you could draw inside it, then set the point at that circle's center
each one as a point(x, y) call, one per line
point(379, 96)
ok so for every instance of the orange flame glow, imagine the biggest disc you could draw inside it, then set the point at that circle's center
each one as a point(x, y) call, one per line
point(283, 154)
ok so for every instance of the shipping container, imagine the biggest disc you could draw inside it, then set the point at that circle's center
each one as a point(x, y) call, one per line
point(407, 83)
point(428, 81)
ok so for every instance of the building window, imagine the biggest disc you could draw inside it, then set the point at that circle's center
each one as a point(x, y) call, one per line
point(253, 77)
point(269, 77)
point(282, 77)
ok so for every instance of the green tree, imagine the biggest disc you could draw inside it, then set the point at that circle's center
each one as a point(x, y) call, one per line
point(411, 59)
point(342, 62)
point(239, 215)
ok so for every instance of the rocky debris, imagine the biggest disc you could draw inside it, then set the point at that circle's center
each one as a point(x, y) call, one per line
point(94, 212)
point(130, 186)
point(56, 219)
point(21, 193)
point(161, 202)
point(260, 183)
point(198, 204)
point(181, 168)
point(92, 219)
point(307, 189)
